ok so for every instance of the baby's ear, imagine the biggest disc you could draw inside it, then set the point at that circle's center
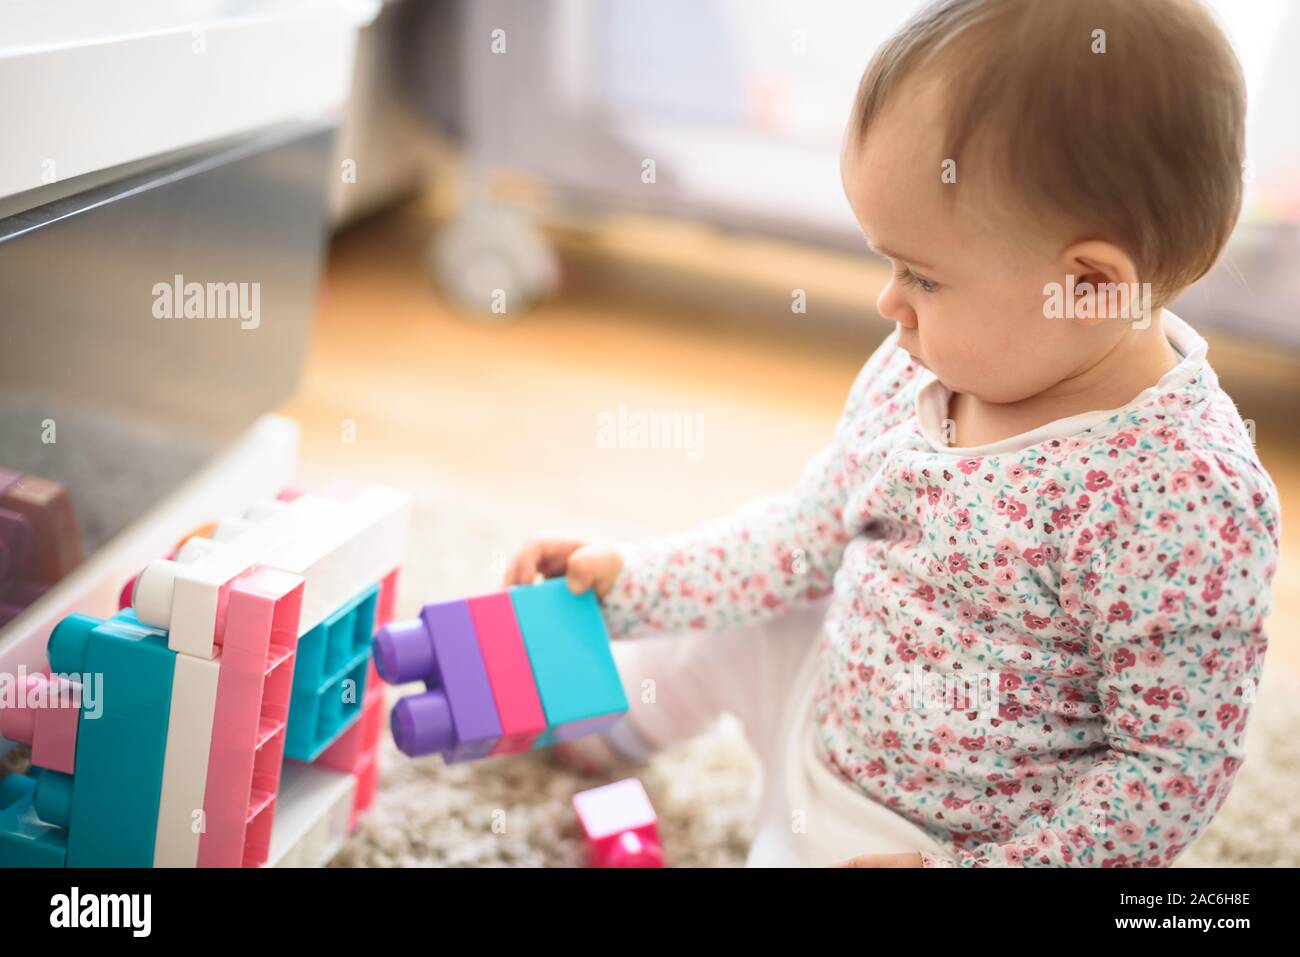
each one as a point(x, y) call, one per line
point(1103, 280)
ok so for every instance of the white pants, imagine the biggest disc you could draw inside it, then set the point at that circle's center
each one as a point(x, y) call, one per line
point(809, 816)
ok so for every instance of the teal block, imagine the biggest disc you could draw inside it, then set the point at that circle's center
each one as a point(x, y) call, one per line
point(329, 677)
point(111, 803)
point(572, 664)
point(26, 840)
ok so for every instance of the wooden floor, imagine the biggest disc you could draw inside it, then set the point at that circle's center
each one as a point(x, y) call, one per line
point(399, 387)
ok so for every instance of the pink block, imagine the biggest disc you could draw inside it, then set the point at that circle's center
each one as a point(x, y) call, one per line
point(387, 603)
point(367, 777)
point(261, 636)
point(19, 722)
point(620, 825)
point(55, 742)
point(124, 597)
point(357, 752)
point(46, 716)
point(289, 493)
point(509, 671)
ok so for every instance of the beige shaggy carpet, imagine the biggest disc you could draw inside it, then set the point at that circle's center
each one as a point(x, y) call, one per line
point(515, 811)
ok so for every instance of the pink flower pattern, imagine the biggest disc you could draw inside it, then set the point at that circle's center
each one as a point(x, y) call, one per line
point(1112, 583)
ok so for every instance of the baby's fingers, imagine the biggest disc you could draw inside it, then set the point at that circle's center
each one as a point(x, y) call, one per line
point(554, 559)
point(550, 558)
point(593, 567)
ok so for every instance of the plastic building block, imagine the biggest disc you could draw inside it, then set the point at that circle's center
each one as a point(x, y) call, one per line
point(56, 544)
point(110, 806)
point(46, 715)
point(26, 840)
point(486, 673)
point(39, 540)
point(509, 672)
point(367, 778)
point(251, 716)
point(16, 538)
point(346, 753)
point(387, 599)
point(338, 546)
point(17, 597)
point(329, 681)
point(572, 664)
point(619, 825)
point(457, 714)
point(185, 767)
point(128, 590)
point(360, 544)
point(289, 493)
point(316, 807)
point(186, 597)
point(201, 682)
point(356, 752)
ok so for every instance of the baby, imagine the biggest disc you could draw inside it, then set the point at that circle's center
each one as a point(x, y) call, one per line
point(1019, 597)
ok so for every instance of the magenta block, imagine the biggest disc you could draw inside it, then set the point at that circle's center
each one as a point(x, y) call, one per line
point(509, 672)
point(620, 825)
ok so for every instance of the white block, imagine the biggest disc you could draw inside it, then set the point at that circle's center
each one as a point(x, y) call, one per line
point(338, 547)
point(338, 559)
point(185, 767)
point(183, 598)
point(311, 815)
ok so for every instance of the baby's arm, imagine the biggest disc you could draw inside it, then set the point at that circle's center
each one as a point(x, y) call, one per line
point(1177, 614)
point(768, 555)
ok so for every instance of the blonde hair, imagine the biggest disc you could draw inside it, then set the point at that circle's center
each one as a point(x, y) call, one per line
point(1140, 145)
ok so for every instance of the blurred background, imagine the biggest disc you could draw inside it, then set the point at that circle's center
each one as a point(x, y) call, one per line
point(490, 237)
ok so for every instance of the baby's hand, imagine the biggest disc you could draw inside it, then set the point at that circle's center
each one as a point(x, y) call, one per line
point(883, 860)
point(585, 566)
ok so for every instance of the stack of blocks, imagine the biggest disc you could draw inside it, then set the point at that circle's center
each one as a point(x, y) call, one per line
point(198, 697)
point(504, 672)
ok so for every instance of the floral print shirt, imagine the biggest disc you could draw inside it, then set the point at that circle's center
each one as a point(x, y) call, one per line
point(1042, 652)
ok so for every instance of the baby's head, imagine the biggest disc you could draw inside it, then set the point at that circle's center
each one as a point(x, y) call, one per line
point(1000, 146)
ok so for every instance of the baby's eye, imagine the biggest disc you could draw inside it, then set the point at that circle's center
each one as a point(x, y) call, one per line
point(909, 278)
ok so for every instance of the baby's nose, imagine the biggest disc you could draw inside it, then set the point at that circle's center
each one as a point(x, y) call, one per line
point(893, 306)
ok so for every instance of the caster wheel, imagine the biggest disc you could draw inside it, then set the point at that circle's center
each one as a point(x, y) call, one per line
point(495, 262)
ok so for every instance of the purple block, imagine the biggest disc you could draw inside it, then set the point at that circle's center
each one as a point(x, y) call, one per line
point(403, 652)
point(457, 715)
point(15, 545)
point(422, 724)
